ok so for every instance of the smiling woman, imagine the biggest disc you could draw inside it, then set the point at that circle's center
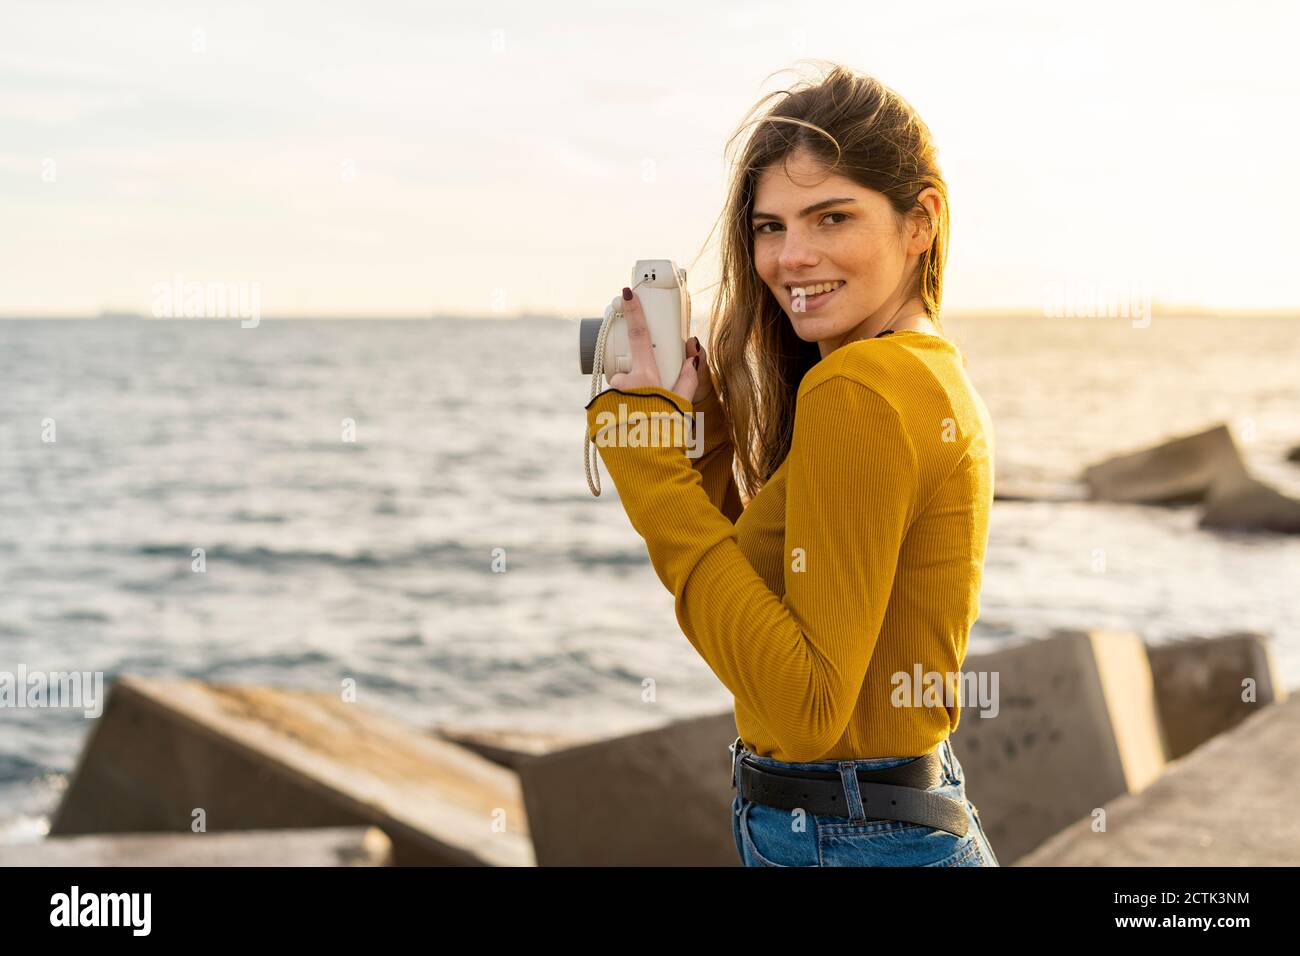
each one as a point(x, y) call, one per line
point(838, 183)
point(866, 454)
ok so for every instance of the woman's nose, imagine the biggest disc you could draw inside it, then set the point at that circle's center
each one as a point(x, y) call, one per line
point(797, 252)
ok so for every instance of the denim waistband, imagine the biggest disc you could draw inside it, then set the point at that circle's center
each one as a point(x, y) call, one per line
point(846, 769)
point(866, 763)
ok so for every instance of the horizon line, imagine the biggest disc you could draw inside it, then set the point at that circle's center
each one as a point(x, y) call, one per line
point(1189, 312)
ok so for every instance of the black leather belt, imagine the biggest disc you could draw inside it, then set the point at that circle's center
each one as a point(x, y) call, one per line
point(897, 793)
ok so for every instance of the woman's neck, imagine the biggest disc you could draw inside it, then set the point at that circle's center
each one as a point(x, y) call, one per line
point(909, 320)
point(917, 323)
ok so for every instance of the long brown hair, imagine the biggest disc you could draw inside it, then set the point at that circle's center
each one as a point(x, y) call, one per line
point(857, 127)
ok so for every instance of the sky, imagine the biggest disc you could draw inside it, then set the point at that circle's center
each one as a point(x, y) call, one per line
point(494, 158)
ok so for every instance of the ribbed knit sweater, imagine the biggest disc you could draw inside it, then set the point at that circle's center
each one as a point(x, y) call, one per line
point(853, 571)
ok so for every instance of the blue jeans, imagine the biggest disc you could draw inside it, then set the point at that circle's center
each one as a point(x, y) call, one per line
point(770, 836)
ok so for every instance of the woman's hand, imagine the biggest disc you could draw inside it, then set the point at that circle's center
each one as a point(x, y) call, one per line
point(692, 382)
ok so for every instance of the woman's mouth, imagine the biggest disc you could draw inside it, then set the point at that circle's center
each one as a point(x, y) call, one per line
point(813, 296)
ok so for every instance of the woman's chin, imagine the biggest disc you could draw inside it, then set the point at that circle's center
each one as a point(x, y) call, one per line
point(811, 328)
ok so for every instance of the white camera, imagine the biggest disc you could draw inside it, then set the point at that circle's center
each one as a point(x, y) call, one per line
point(603, 347)
point(661, 287)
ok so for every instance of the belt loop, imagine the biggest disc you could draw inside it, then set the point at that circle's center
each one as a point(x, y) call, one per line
point(852, 795)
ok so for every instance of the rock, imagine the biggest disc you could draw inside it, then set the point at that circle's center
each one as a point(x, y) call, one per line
point(1250, 505)
point(1180, 471)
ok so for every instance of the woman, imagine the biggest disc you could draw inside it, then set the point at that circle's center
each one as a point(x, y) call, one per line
point(865, 458)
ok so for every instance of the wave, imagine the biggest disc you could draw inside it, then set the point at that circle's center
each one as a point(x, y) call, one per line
point(261, 557)
point(282, 663)
point(249, 517)
point(439, 554)
point(84, 614)
point(15, 768)
point(617, 557)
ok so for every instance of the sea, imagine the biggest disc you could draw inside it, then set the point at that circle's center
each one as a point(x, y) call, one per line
point(402, 504)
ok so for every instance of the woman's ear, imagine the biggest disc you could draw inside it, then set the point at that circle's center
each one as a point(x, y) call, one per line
point(925, 220)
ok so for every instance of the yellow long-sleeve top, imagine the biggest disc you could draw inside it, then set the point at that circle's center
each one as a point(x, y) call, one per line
point(856, 568)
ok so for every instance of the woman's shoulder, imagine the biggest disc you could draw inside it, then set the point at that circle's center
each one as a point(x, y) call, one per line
point(869, 362)
point(843, 401)
point(903, 374)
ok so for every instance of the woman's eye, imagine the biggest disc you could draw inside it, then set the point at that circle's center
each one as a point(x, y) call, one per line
point(761, 229)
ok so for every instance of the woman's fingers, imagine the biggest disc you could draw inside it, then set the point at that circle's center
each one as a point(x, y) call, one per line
point(638, 337)
point(688, 378)
point(703, 377)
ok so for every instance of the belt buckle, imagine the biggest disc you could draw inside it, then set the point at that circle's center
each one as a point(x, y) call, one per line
point(735, 755)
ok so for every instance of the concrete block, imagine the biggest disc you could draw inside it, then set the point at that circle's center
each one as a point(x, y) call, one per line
point(331, 846)
point(1229, 802)
point(508, 747)
point(266, 758)
point(1250, 505)
point(1179, 471)
point(661, 797)
point(1199, 686)
point(1076, 725)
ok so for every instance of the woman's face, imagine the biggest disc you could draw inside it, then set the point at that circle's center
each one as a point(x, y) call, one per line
point(810, 229)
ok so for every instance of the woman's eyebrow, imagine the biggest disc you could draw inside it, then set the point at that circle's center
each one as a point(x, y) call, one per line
point(811, 209)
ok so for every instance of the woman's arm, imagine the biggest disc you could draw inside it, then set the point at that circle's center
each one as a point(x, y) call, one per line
point(797, 661)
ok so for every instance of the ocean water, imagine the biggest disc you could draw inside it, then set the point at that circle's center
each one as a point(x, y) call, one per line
point(372, 559)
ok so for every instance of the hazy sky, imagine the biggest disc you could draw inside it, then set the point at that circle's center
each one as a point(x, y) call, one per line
point(412, 158)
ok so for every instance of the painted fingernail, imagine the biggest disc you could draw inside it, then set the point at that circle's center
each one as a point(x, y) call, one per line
point(627, 294)
point(696, 360)
point(696, 340)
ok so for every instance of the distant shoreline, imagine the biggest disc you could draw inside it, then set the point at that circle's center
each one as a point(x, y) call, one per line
point(956, 315)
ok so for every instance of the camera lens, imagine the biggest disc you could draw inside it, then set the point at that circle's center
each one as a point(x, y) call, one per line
point(588, 332)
